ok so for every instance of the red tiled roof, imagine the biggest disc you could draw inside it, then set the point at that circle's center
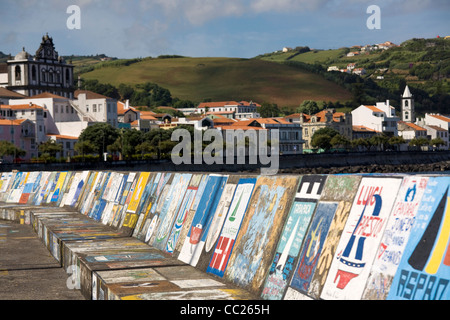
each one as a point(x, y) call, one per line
point(90, 94)
point(47, 95)
point(373, 108)
point(438, 116)
point(363, 129)
point(413, 126)
point(60, 136)
point(15, 122)
point(20, 106)
point(122, 110)
point(10, 94)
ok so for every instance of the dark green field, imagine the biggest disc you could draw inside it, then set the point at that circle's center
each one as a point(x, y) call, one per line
point(222, 79)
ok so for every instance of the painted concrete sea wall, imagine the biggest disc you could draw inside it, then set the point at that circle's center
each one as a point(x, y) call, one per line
point(332, 237)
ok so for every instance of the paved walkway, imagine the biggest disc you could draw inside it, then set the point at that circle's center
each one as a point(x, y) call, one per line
point(27, 269)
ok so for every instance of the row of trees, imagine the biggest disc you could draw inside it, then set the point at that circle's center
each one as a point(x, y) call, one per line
point(125, 143)
point(328, 138)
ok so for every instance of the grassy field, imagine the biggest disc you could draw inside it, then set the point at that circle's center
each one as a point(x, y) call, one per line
point(222, 79)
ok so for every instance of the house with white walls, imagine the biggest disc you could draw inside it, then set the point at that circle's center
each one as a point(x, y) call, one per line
point(380, 117)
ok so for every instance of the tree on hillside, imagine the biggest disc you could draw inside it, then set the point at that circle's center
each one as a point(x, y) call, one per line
point(309, 107)
point(360, 143)
point(269, 110)
point(50, 148)
point(379, 141)
point(322, 138)
point(437, 142)
point(340, 141)
point(85, 147)
point(396, 141)
point(9, 149)
point(101, 135)
point(419, 143)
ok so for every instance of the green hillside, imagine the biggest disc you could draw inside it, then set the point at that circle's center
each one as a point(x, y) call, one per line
point(221, 79)
point(423, 64)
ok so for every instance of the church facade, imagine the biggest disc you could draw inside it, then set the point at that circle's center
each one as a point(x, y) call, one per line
point(46, 71)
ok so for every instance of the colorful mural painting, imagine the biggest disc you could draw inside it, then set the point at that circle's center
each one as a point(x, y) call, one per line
point(201, 222)
point(231, 227)
point(360, 239)
point(323, 236)
point(183, 213)
point(291, 239)
point(258, 237)
point(170, 209)
point(217, 222)
point(134, 235)
point(395, 237)
point(424, 270)
point(183, 233)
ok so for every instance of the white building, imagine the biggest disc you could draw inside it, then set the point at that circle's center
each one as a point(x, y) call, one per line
point(432, 119)
point(434, 132)
point(27, 111)
point(380, 118)
point(46, 71)
point(234, 109)
point(97, 107)
point(290, 133)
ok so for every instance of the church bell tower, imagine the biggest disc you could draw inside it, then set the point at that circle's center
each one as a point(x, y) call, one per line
point(408, 114)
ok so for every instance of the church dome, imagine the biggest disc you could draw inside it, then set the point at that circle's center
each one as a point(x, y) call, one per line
point(23, 55)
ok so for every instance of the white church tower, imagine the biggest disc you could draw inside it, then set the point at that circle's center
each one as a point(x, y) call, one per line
point(408, 114)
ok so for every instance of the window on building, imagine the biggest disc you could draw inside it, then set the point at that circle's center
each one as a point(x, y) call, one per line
point(33, 73)
point(94, 108)
point(18, 73)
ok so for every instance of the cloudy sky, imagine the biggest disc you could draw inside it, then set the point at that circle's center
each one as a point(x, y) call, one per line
point(214, 28)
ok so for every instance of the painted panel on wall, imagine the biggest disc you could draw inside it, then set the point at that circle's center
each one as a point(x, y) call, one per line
point(359, 241)
point(170, 210)
point(335, 202)
point(286, 254)
point(217, 222)
point(131, 214)
point(183, 213)
point(231, 227)
point(196, 237)
point(28, 187)
point(159, 198)
point(183, 235)
point(424, 270)
point(257, 240)
point(395, 238)
point(145, 205)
